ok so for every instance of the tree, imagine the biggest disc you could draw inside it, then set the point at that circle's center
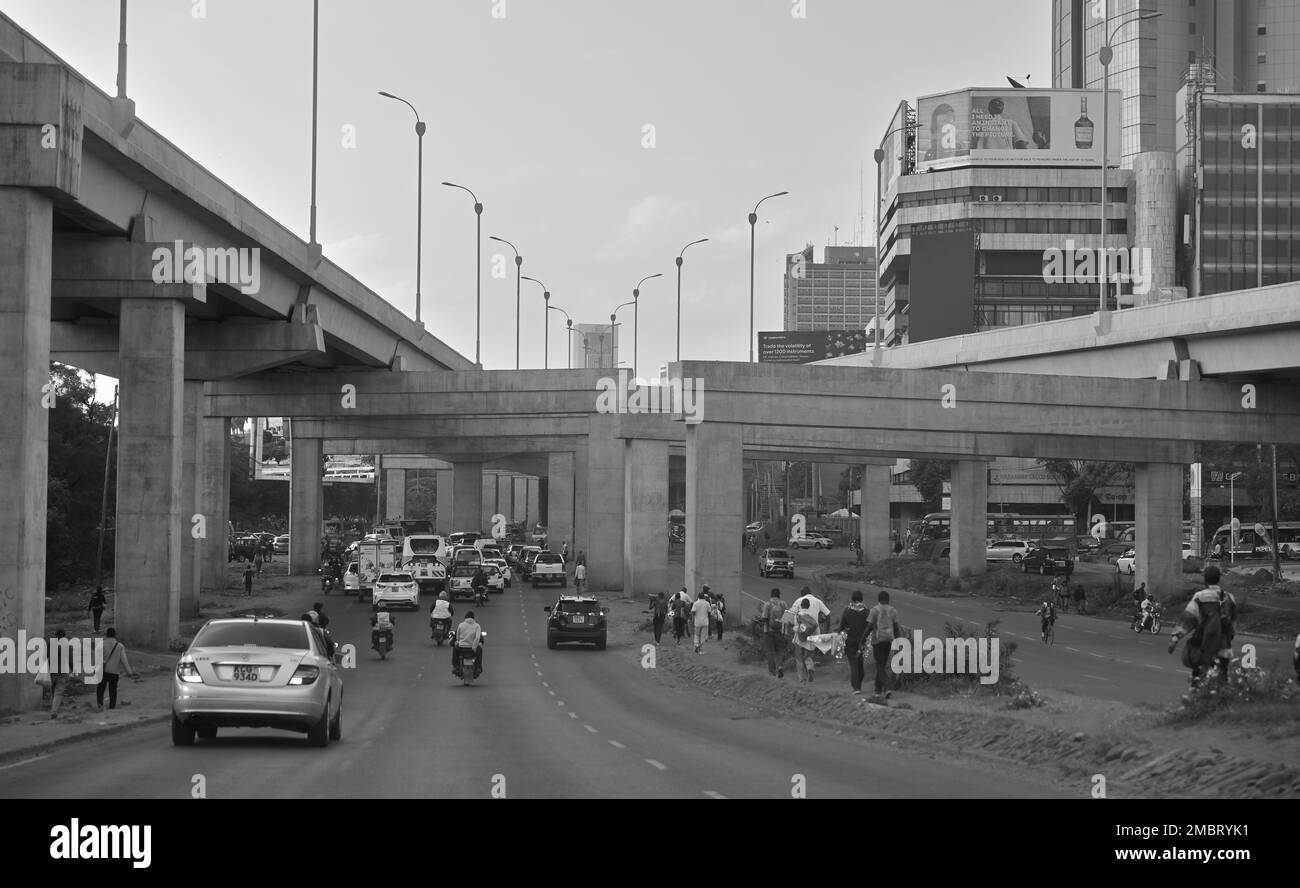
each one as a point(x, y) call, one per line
point(928, 477)
point(1080, 479)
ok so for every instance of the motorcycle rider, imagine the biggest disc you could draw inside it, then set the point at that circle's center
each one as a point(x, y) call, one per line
point(441, 610)
point(469, 635)
point(382, 621)
point(1148, 604)
point(479, 582)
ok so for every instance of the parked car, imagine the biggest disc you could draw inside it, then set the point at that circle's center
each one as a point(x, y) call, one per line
point(576, 618)
point(507, 575)
point(1047, 559)
point(466, 555)
point(249, 672)
point(396, 589)
point(526, 562)
point(1113, 549)
point(460, 584)
point(281, 546)
point(1007, 550)
point(775, 561)
point(1189, 552)
point(811, 540)
point(1127, 562)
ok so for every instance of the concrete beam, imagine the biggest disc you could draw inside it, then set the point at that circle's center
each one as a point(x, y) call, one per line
point(407, 429)
point(33, 96)
point(26, 219)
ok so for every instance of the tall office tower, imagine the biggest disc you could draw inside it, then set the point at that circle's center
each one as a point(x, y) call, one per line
point(834, 294)
point(1251, 46)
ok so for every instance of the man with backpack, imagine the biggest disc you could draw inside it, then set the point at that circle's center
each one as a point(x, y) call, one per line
point(678, 605)
point(882, 623)
point(1209, 619)
point(773, 633)
point(853, 623)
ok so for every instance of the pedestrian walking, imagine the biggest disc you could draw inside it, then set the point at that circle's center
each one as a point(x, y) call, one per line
point(882, 623)
point(1080, 597)
point(60, 671)
point(115, 663)
point(700, 615)
point(257, 561)
point(774, 633)
point(853, 623)
point(564, 551)
point(678, 606)
point(98, 601)
point(580, 577)
point(248, 581)
point(1209, 619)
point(805, 625)
point(821, 613)
point(717, 612)
point(659, 613)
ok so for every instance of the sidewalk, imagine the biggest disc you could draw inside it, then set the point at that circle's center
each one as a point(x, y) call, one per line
point(146, 701)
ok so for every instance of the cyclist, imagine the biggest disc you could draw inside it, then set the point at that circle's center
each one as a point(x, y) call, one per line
point(1059, 593)
point(1048, 612)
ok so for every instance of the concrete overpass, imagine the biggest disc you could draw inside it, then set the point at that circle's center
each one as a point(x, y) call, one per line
point(121, 255)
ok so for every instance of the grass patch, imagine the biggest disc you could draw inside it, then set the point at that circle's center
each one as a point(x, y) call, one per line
point(1262, 697)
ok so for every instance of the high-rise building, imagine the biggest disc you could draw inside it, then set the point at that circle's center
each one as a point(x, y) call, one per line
point(1250, 45)
point(837, 293)
point(595, 345)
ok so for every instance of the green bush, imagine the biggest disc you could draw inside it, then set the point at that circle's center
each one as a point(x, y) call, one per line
point(1244, 690)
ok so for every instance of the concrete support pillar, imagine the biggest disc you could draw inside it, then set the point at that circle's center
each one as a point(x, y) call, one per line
point(214, 499)
point(970, 495)
point(506, 495)
point(532, 505)
point(1158, 497)
point(874, 524)
point(306, 505)
point(488, 507)
point(715, 512)
point(191, 549)
point(604, 505)
point(645, 499)
point(445, 500)
point(519, 498)
point(467, 503)
point(394, 493)
point(26, 226)
point(581, 504)
point(559, 504)
point(151, 353)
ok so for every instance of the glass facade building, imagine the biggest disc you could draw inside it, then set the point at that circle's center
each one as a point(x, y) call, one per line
point(1251, 45)
point(1245, 186)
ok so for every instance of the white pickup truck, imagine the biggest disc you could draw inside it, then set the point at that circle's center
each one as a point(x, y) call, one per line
point(548, 568)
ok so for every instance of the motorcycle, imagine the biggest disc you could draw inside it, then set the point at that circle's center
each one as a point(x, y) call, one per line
point(381, 640)
point(1149, 622)
point(326, 581)
point(467, 656)
point(441, 627)
point(480, 595)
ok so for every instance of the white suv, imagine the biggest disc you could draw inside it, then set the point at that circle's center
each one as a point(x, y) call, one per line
point(397, 588)
point(548, 568)
point(1007, 550)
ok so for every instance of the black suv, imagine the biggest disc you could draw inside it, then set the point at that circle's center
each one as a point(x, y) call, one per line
point(1047, 560)
point(576, 618)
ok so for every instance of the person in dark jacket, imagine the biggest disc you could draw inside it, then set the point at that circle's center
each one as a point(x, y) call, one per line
point(98, 602)
point(853, 623)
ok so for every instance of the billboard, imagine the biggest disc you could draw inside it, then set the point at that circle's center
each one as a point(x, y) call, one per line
point(271, 456)
point(942, 294)
point(1042, 127)
point(805, 346)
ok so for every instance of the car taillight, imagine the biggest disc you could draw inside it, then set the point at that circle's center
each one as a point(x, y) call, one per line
point(304, 675)
point(186, 671)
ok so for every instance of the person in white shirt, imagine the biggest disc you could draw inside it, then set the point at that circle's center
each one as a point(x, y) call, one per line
point(580, 577)
point(469, 634)
point(700, 614)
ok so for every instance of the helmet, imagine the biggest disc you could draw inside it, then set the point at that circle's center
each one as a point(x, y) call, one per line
point(443, 594)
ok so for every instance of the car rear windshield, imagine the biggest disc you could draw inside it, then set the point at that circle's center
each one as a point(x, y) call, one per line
point(464, 570)
point(394, 578)
point(578, 607)
point(777, 553)
point(292, 636)
point(549, 559)
point(423, 545)
point(1059, 553)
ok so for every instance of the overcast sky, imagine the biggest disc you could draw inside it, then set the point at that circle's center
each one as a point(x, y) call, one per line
point(543, 114)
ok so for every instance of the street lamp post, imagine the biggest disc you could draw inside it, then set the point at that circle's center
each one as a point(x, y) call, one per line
point(636, 317)
point(569, 322)
point(1104, 55)
point(519, 262)
point(753, 218)
point(478, 273)
point(1232, 517)
point(612, 324)
point(546, 319)
point(419, 195)
point(679, 293)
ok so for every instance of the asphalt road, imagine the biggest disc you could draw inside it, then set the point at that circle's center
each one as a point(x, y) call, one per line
point(572, 722)
point(1093, 657)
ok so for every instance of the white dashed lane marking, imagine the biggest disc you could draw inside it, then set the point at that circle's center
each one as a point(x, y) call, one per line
point(658, 765)
point(714, 795)
point(591, 729)
point(617, 745)
point(573, 715)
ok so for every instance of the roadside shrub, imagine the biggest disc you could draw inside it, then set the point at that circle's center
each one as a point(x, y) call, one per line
point(1244, 690)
